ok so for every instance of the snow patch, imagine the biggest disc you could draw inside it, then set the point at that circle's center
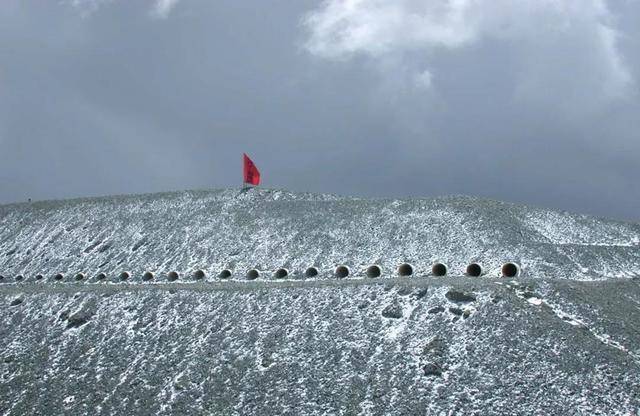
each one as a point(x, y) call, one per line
point(535, 301)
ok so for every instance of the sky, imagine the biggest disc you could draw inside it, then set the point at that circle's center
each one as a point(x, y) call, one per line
point(527, 101)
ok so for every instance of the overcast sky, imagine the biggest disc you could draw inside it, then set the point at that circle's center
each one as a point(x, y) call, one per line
point(533, 101)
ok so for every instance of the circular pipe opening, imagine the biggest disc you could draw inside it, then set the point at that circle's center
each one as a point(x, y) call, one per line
point(39, 277)
point(342, 271)
point(101, 276)
point(225, 274)
point(172, 276)
point(79, 276)
point(374, 271)
point(19, 277)
point(474, 270)
point(147, 276)
point(59, 276)
point(199, 274)
point(405, 269)
point(1, 277)
point(439, 269)
point(311, 272)
point(125, 275)
point(510, 270)
point(281, 273)
point(253, 274)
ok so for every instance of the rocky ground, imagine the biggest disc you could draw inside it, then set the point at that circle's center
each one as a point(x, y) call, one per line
point(563, 337)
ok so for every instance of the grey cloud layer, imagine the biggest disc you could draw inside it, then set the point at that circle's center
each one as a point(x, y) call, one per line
point(552, 39)
point(532, 104)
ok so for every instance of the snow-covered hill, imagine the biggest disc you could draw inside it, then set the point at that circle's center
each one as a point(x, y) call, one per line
point(267, 230)
point(560, 338)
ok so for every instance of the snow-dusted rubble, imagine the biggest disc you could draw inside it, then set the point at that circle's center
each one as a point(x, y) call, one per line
point(561, 338)
point(270, 229)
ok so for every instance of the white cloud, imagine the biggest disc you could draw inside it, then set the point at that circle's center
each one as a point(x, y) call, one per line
point(163, 8)
point(159, 8)
point(87, 7)
point(557, 43)
point(423, 79)
point(375, 27)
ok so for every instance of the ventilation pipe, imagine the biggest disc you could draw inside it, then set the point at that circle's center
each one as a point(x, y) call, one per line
point(311, 272)
point(199, 274)
point(172, 276)
point(342, 271)
point(59, 276)
point(19, 277)
point(80, 276)
point(405, 269)
point(125, 276)
point(253, 274)
point(147, 276)
point(281, 273)
point(439, 269)
point(510, 270)
point(101, 276)
point(374, 271)
point(39, 277)
point(225, 274)
point(474, 270)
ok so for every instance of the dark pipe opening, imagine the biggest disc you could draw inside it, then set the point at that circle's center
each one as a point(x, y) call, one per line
point(1, 277)
point(439, 269)
point(253, 274)
point(19, 277)
point(405, 269)
point(125, 275)
point(225, 274)
point(342, 271)
point(172, 276)
point(39, 277)
point(59, 276)
point(101, 276)
point(199, 274)
point(281, 273)
point(474, 270)
point(311, 272)
point(374, 271)
point(147, 276)
point(79, 276)
point(510, 270)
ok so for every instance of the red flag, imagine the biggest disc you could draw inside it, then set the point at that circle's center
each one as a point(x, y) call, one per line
point(251, 172)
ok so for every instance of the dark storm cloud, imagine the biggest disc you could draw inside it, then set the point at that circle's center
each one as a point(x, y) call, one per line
point(101, 97)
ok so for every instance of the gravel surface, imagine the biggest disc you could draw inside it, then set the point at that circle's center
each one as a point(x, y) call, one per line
point(563, 337)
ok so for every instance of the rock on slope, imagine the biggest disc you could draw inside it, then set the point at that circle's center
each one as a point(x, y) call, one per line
point(561, 338)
